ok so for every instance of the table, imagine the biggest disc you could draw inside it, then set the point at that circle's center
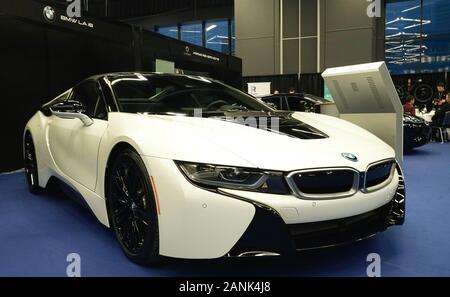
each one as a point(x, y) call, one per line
point(428, 117)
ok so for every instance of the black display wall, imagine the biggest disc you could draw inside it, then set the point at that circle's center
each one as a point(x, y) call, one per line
point(22, 78)
point(312, 83)
point(40, 59)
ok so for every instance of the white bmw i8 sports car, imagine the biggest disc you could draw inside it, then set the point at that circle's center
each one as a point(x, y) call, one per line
point(242, 179)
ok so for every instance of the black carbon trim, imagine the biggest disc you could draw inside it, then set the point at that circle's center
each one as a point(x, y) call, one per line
point(298, 129)
point(268, 233)
point(340, 231)
point(277, 122)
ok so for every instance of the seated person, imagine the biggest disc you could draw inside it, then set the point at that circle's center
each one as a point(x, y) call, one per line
point(438, 118)
point(409, 107)
point(440, 96)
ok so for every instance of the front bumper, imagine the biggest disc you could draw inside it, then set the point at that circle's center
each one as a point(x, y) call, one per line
point(195, 223)
point(268, 234)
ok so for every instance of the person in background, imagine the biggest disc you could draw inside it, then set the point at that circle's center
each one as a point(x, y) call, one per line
point(409, 86)
point(409, 107)
point(440, 98)
point(276, 92)
point(291, 90)
point(438, 118)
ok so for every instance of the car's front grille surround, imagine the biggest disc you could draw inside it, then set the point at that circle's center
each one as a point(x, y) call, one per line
point(362, 181)
point(349, 189)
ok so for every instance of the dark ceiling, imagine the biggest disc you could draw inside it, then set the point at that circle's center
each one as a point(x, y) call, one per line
point(123, 9)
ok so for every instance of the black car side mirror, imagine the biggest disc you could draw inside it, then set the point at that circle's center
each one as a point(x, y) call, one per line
point(69, 106)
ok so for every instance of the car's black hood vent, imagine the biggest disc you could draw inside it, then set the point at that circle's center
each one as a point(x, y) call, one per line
point(299, 129)
point(277, 122)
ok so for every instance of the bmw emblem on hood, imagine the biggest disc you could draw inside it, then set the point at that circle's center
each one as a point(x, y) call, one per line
point(49, 13)
point(350, 157)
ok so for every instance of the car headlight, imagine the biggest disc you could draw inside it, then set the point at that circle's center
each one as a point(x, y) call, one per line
point(238, 178)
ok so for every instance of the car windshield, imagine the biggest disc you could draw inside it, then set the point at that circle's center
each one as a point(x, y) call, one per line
point(166, 94)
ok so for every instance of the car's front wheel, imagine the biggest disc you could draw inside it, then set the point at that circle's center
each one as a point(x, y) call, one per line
point(31, 168)
point(132, 208)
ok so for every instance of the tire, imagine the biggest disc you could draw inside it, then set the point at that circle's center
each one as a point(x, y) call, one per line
point(132, 208)
point(31, 168)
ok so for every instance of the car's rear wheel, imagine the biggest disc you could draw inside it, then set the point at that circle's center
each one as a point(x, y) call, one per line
point(132, 208)
point(31, 168)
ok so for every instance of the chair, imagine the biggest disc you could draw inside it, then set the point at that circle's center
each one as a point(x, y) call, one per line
point(446, 124)
point(442, 130)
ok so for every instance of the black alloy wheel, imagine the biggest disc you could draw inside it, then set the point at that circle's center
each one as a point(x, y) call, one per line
point(31, 169)
point(132, 208)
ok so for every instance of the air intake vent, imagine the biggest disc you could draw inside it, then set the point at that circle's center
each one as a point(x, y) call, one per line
point(324, 183)
point(378, 175)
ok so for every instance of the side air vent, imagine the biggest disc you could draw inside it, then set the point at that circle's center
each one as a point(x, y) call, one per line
point(374, 89)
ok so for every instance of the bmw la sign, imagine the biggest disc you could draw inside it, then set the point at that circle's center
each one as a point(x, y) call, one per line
point(77, 21)
point(50, 16)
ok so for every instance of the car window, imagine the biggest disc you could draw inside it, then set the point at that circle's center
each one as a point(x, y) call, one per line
point(61, 98)
point(179, 94)
point(296, 103)
point(274, 100)
point(100, 109)
point(300, 104)
point(89, 94)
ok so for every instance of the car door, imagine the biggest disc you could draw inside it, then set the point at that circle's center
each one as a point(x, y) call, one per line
point(75, 145)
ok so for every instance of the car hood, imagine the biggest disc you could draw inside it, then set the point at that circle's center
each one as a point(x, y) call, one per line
point(219, 141)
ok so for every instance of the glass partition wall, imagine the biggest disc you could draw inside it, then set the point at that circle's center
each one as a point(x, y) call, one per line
point(217, 35)
point(417, 36)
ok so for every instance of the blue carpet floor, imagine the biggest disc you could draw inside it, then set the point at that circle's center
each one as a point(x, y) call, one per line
point(38, 232)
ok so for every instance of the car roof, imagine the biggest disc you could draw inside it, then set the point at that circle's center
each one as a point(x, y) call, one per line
point(114, 75)
point(285, 94)
point(301, 95)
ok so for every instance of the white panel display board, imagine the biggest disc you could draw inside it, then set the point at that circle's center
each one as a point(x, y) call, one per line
point(365, 95)
point(164, 66)
point(259, 89)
